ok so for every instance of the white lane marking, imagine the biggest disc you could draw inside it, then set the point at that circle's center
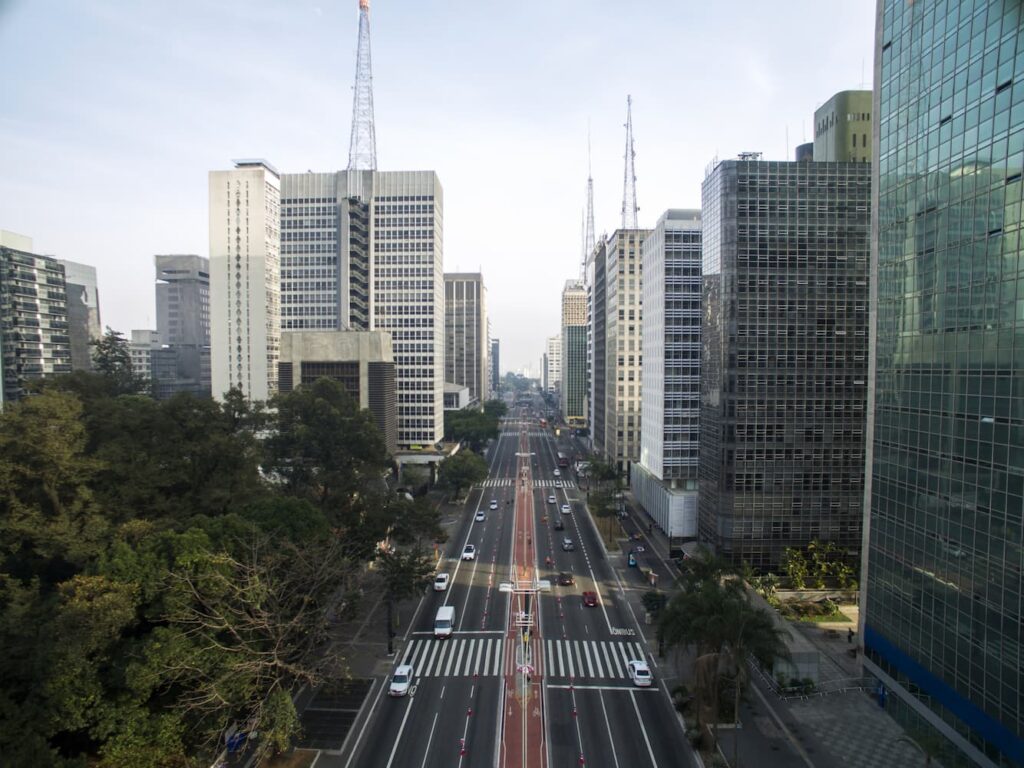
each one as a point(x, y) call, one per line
point(465, 632)
point(597, 659)
point(468, 669)
point(451, 658)
point(499, 648)
point(426, 753)
point(640, 721)
point(639, 651)
point(430, 661)
point(398, 738)
point(561, 665)
point(568, 660)
point(366, 723)
point(579, 659)
point(462, 650)
point(608, 725)
point(584, 687)
point(624, 652)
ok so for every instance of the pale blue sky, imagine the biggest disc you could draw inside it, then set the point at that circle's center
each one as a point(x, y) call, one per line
point(112, 113)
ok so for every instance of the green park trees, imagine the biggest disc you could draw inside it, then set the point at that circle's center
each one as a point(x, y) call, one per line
point(461, 471)
point(169, 569)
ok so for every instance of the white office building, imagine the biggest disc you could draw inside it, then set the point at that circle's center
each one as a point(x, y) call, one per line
point(245, 305)
point(553, 363)
point(664, 480)
point(362, 250)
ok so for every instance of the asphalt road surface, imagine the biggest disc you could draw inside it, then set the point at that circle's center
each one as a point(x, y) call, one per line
point(592, 713)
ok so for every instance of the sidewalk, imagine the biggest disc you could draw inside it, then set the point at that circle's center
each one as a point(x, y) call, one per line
point(821, 731)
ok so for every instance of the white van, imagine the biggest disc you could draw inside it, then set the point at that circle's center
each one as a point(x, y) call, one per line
point(444, 622)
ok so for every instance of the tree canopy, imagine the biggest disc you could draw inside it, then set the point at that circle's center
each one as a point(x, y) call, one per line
point(460, 471)
point(168, 569)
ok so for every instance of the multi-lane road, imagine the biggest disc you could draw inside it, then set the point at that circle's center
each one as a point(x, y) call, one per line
point(498, 693)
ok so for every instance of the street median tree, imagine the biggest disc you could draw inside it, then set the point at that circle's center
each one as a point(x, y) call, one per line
point(461, 471)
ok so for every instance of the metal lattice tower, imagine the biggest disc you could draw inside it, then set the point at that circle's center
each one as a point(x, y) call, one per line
point(362, 148)
point(629, 208)
point(588, 242)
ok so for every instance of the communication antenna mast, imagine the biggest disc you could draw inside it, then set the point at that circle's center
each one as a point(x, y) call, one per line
point(362, 147)
point(588, 237)
point(629, 209)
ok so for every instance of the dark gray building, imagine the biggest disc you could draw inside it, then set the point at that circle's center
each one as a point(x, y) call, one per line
point(942, 581)
point(34, 341)
point(83, 312)
point(495, 369)
point(182, 364)
point(465, 334)
point(784, 357)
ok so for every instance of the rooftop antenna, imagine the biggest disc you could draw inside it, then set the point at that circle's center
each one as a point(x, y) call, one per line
point(629, 208)
point(588, 227)
point(362, 147)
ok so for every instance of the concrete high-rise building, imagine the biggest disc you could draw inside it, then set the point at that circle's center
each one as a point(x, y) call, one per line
point(842, 128)
point(245, 279)
point(941, 583)
point(623, 352)
point(142, 346)
point(183, 325)
point(326, 250)
point(183, 300)
point(465, 334)
point(83, 312)
point(573, 397)
point(34, 340)
point(495, 369)
point(362, 250)
point(597, 344)
point(553, 364)
point(784, 356)
point(664, 480)
point(363, 361)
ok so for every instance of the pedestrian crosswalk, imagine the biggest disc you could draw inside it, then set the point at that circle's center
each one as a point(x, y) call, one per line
point(590, 659)
point(529, 433)
point(508, 482)
point(491, 657)
point(456, 657)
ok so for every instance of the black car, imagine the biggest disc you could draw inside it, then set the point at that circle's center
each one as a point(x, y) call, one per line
point(565, 579)
point(559, 525)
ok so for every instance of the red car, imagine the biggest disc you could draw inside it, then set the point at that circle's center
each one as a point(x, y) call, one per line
point(590, 599)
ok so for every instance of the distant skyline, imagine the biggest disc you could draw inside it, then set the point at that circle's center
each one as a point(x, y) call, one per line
point(117, 111)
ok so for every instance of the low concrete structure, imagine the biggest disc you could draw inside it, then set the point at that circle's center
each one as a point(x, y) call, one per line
point(805, 659)
point(361, 360)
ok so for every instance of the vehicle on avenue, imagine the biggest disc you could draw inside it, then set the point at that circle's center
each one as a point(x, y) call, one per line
point(567, 545)
point(558, 472)
point(565, 579)
point(401, 681)
point(566, 509)
point(639, 673)
point(441, 582)
point(551, 499)
point(590, 599)
point(494, 504)
point(469, 552)
point(558, 483)
point(559, 525)
point(480, 516)
point(444, 622)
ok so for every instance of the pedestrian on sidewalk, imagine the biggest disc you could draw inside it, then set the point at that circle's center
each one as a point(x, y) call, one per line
point(849, 635)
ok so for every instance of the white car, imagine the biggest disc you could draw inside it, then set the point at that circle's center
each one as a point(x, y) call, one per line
point(566, 509)
point(400, 681)
point(558, 472)
point(469, 552)
point(551, 499)
point(480, 515)
point(441, 582)
point(494, 504)
point(558, 483)
point(639, 673)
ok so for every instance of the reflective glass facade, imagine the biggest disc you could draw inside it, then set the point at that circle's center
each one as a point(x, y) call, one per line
point(784, 357)
point(946, 488)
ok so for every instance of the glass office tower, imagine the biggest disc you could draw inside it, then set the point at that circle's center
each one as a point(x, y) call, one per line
point(945, 491)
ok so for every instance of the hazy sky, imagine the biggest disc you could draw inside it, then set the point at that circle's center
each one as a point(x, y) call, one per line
point(112, 113)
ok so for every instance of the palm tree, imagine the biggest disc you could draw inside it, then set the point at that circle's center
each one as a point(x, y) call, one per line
point(715, 617)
